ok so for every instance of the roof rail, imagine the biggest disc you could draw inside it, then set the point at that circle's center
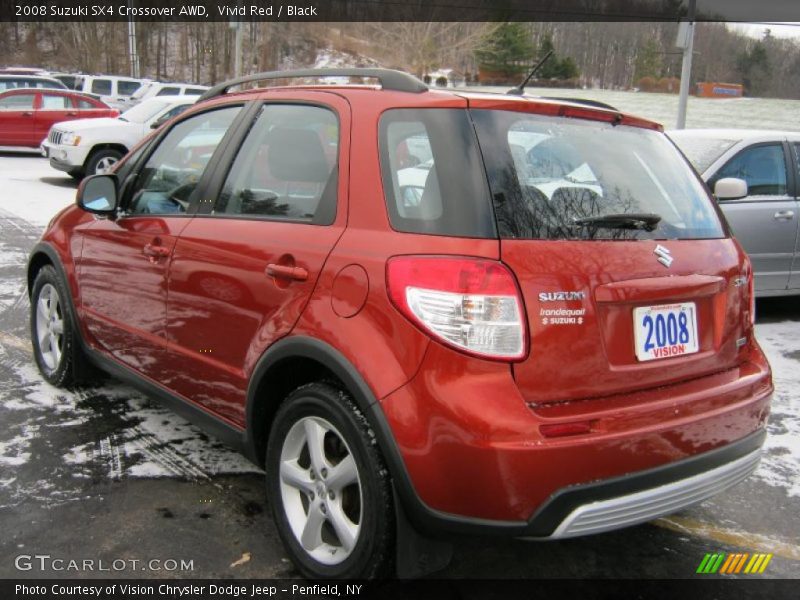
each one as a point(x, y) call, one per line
point(389, 79)
point(594, 103)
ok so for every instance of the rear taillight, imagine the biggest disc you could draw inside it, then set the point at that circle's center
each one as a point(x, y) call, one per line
point(471, 304)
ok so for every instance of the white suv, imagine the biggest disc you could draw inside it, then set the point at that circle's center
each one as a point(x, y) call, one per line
point(92, 146)
point(112, 90)
point(152, 89)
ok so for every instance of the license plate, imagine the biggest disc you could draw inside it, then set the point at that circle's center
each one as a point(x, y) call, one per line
point(665, 331)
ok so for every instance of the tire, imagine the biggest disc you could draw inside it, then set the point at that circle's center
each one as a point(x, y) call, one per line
point(349, 528)
point(101, 160)
point(53, 331)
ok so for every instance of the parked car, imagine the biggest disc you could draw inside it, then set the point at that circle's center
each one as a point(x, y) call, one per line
point(71, 80)
point(765, 217)
point(112, 90)
point(11, 82)
point(151, 89)
point(478, 358)
point(94, 145)
point(23, 71)
point(27, 114)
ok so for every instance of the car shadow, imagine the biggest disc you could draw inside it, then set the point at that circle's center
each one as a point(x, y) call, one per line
point(65, 182)
point(773, 310)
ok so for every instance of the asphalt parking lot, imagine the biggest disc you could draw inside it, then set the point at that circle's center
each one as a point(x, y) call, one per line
point(103, 473)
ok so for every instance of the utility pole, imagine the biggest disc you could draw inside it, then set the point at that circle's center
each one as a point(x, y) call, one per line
point(133, 55)
point(237, 62)
point(239, 31)
point(686, 41)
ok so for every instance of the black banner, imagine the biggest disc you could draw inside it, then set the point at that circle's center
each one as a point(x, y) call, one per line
point(714, 587)
point(398, 10)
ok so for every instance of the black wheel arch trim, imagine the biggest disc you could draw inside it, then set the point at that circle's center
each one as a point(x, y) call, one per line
point(300, 346)
point(55, 259)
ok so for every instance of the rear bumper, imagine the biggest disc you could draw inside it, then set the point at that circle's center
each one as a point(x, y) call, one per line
point(641, 497)
point(472, 459)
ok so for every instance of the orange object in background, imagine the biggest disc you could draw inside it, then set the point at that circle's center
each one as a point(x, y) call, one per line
point(719, 90)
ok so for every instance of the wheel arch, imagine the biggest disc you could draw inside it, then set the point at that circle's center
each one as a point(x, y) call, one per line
point(44, 254)
point(104, 146)
point(286, 365)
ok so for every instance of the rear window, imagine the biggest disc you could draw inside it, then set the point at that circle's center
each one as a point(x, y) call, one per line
point(559, 178)
point(126, 87)
point(702, 152)
point(101, 86)
point(85, 104)
point(433, 177)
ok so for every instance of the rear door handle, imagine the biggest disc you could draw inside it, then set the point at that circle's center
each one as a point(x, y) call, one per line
point(155, 252)
point(286, 272)
point(784, 215)
point(71, 113)
point(27, 113)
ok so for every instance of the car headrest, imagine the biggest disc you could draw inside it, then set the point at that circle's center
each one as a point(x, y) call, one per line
point(296, 155)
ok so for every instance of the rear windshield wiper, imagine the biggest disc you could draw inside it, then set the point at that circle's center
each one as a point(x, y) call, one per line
point(646, 221)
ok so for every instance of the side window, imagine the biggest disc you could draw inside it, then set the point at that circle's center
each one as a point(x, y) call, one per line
point(762, 167)
point(167, 181)
point(195, 91)
point(101, 87)
point(85, 104)
point(53, 102)
point(169, 91)
point(287, 167)
point(433, 179)
point(126, 88)
point(17, 102)
point(415, 180)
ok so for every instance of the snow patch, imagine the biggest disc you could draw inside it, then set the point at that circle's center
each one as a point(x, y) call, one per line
point(780, 465)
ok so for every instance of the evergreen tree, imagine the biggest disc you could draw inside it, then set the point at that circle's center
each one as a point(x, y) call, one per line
point(507, 50)
point(755, 69)
point(555, 68)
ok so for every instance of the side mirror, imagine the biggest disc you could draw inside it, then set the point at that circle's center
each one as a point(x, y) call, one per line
point(730, 188)
point(98, 194)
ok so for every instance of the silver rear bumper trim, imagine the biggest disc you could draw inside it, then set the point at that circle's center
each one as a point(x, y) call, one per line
point(622, 511)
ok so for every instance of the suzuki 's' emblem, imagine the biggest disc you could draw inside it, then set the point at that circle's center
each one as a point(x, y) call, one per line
point(664, 256)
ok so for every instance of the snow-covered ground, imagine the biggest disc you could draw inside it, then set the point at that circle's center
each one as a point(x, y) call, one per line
point(744, 113)
point(31, 189)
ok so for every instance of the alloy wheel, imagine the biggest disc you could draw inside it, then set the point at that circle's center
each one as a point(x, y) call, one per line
point(50, 327)
point(105, 164)
point(321, 490)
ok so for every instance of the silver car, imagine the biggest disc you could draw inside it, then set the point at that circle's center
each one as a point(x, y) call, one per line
point(765, 219)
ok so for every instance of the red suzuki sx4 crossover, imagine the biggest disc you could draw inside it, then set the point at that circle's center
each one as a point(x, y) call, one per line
point(425, 313)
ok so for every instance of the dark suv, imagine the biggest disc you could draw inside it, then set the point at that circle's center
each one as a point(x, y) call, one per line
point(424, 312)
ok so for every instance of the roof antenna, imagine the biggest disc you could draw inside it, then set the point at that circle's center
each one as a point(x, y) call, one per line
point(520, 89)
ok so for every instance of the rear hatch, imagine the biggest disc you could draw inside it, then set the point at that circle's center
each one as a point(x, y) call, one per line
point(628, 278)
